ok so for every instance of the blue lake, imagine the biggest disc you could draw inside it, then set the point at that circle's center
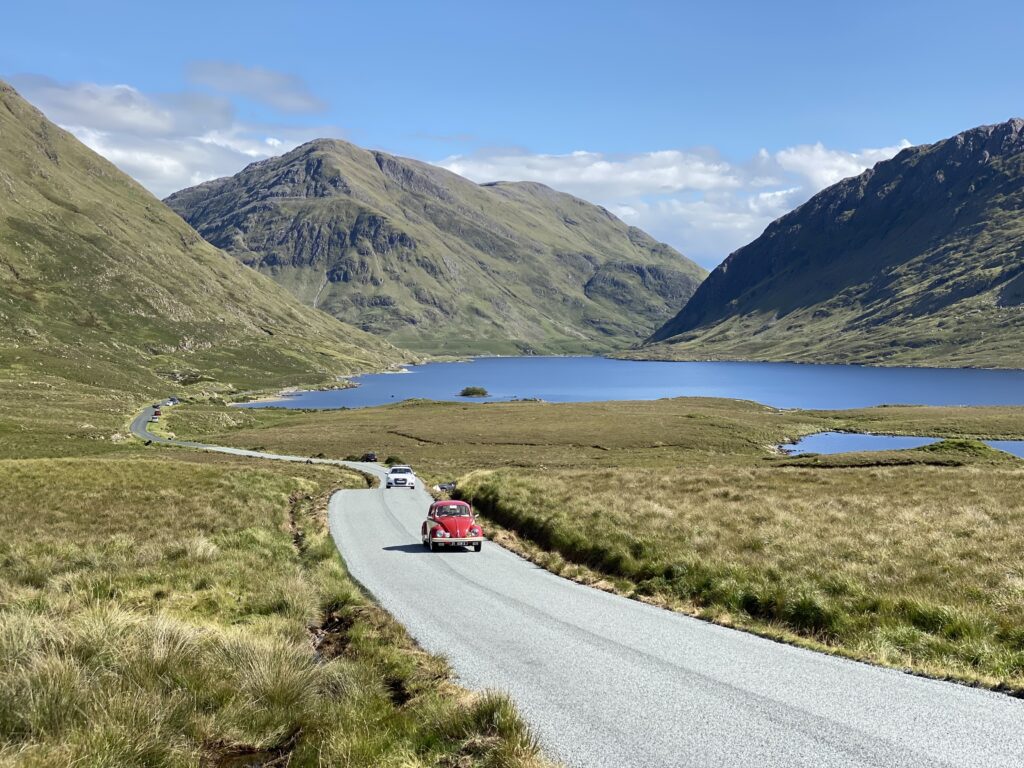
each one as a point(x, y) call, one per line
point(847, 442)
point(576, 379)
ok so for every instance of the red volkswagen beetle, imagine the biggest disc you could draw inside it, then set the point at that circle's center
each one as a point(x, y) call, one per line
point(451, 523)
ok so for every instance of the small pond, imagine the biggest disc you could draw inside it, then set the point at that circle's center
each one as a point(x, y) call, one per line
point(1016, 447)
point(848, 442)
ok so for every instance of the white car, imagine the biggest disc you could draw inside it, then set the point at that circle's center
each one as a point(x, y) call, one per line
point(400, 476)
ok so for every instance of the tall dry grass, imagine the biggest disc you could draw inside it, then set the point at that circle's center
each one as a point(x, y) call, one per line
point(910, 566)
point(193, 611)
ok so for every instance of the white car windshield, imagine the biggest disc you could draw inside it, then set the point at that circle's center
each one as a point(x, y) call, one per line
point(401, 471)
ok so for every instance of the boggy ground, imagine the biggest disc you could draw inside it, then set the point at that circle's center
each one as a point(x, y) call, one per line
point(170, 608)
point(904, 558)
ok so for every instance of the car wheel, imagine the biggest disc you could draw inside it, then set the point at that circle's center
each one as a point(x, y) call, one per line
point(476, 547)
point(432, 545)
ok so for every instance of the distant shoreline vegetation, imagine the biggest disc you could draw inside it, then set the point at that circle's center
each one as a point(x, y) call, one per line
point(474, 392)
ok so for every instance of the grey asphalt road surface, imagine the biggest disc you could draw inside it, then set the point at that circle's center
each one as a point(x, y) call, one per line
point(607, 681)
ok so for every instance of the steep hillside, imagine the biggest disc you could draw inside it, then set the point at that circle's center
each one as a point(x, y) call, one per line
point(102, 285)
point(435, 262)
point(918, 261)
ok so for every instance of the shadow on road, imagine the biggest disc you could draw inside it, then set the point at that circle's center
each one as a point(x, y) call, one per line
point(416, 548)
point(419, 549)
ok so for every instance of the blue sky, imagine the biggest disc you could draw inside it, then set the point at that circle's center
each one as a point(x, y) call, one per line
point(699, 122)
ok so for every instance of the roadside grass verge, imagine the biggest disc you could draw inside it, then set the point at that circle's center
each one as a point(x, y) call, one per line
point(916, 567)
point(165, 609)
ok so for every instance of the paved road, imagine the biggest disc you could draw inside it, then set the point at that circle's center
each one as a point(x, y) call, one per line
point(140, 428)
point(606, 681)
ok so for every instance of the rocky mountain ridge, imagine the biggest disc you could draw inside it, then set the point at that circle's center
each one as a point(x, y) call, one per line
point(436, 262)
point(917, 261)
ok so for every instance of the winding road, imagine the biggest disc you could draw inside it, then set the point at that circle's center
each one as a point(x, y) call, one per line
point(607, 681)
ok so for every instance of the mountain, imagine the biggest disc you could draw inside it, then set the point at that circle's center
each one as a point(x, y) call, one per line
point(917, 261)
point(102, 284)
point(436, 262)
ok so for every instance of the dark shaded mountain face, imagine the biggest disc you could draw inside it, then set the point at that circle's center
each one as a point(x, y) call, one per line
point(436, 262)
point(918, 261)
point(103, 285)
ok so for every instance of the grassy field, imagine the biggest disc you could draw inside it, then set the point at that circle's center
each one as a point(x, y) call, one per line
point(905, 558)
point(448, 439)
point(444, 440)
point(166, 608)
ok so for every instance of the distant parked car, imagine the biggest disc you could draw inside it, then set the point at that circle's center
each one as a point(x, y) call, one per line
point(370, 456)
point(451, 524)
point(173, 401)
point(156, 405)
point(400, 476)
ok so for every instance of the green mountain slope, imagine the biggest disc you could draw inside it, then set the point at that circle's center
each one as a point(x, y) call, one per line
point(436, 262)
point(918, 261)
point(101, 284)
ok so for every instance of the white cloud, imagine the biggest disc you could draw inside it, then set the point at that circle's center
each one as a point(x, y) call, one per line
point(112, 107)
point(594, 175)
point(165, 141)
point(165, 164)
point(280, 90)
point(823, 167)
point(701, 204)
point(709, 227)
